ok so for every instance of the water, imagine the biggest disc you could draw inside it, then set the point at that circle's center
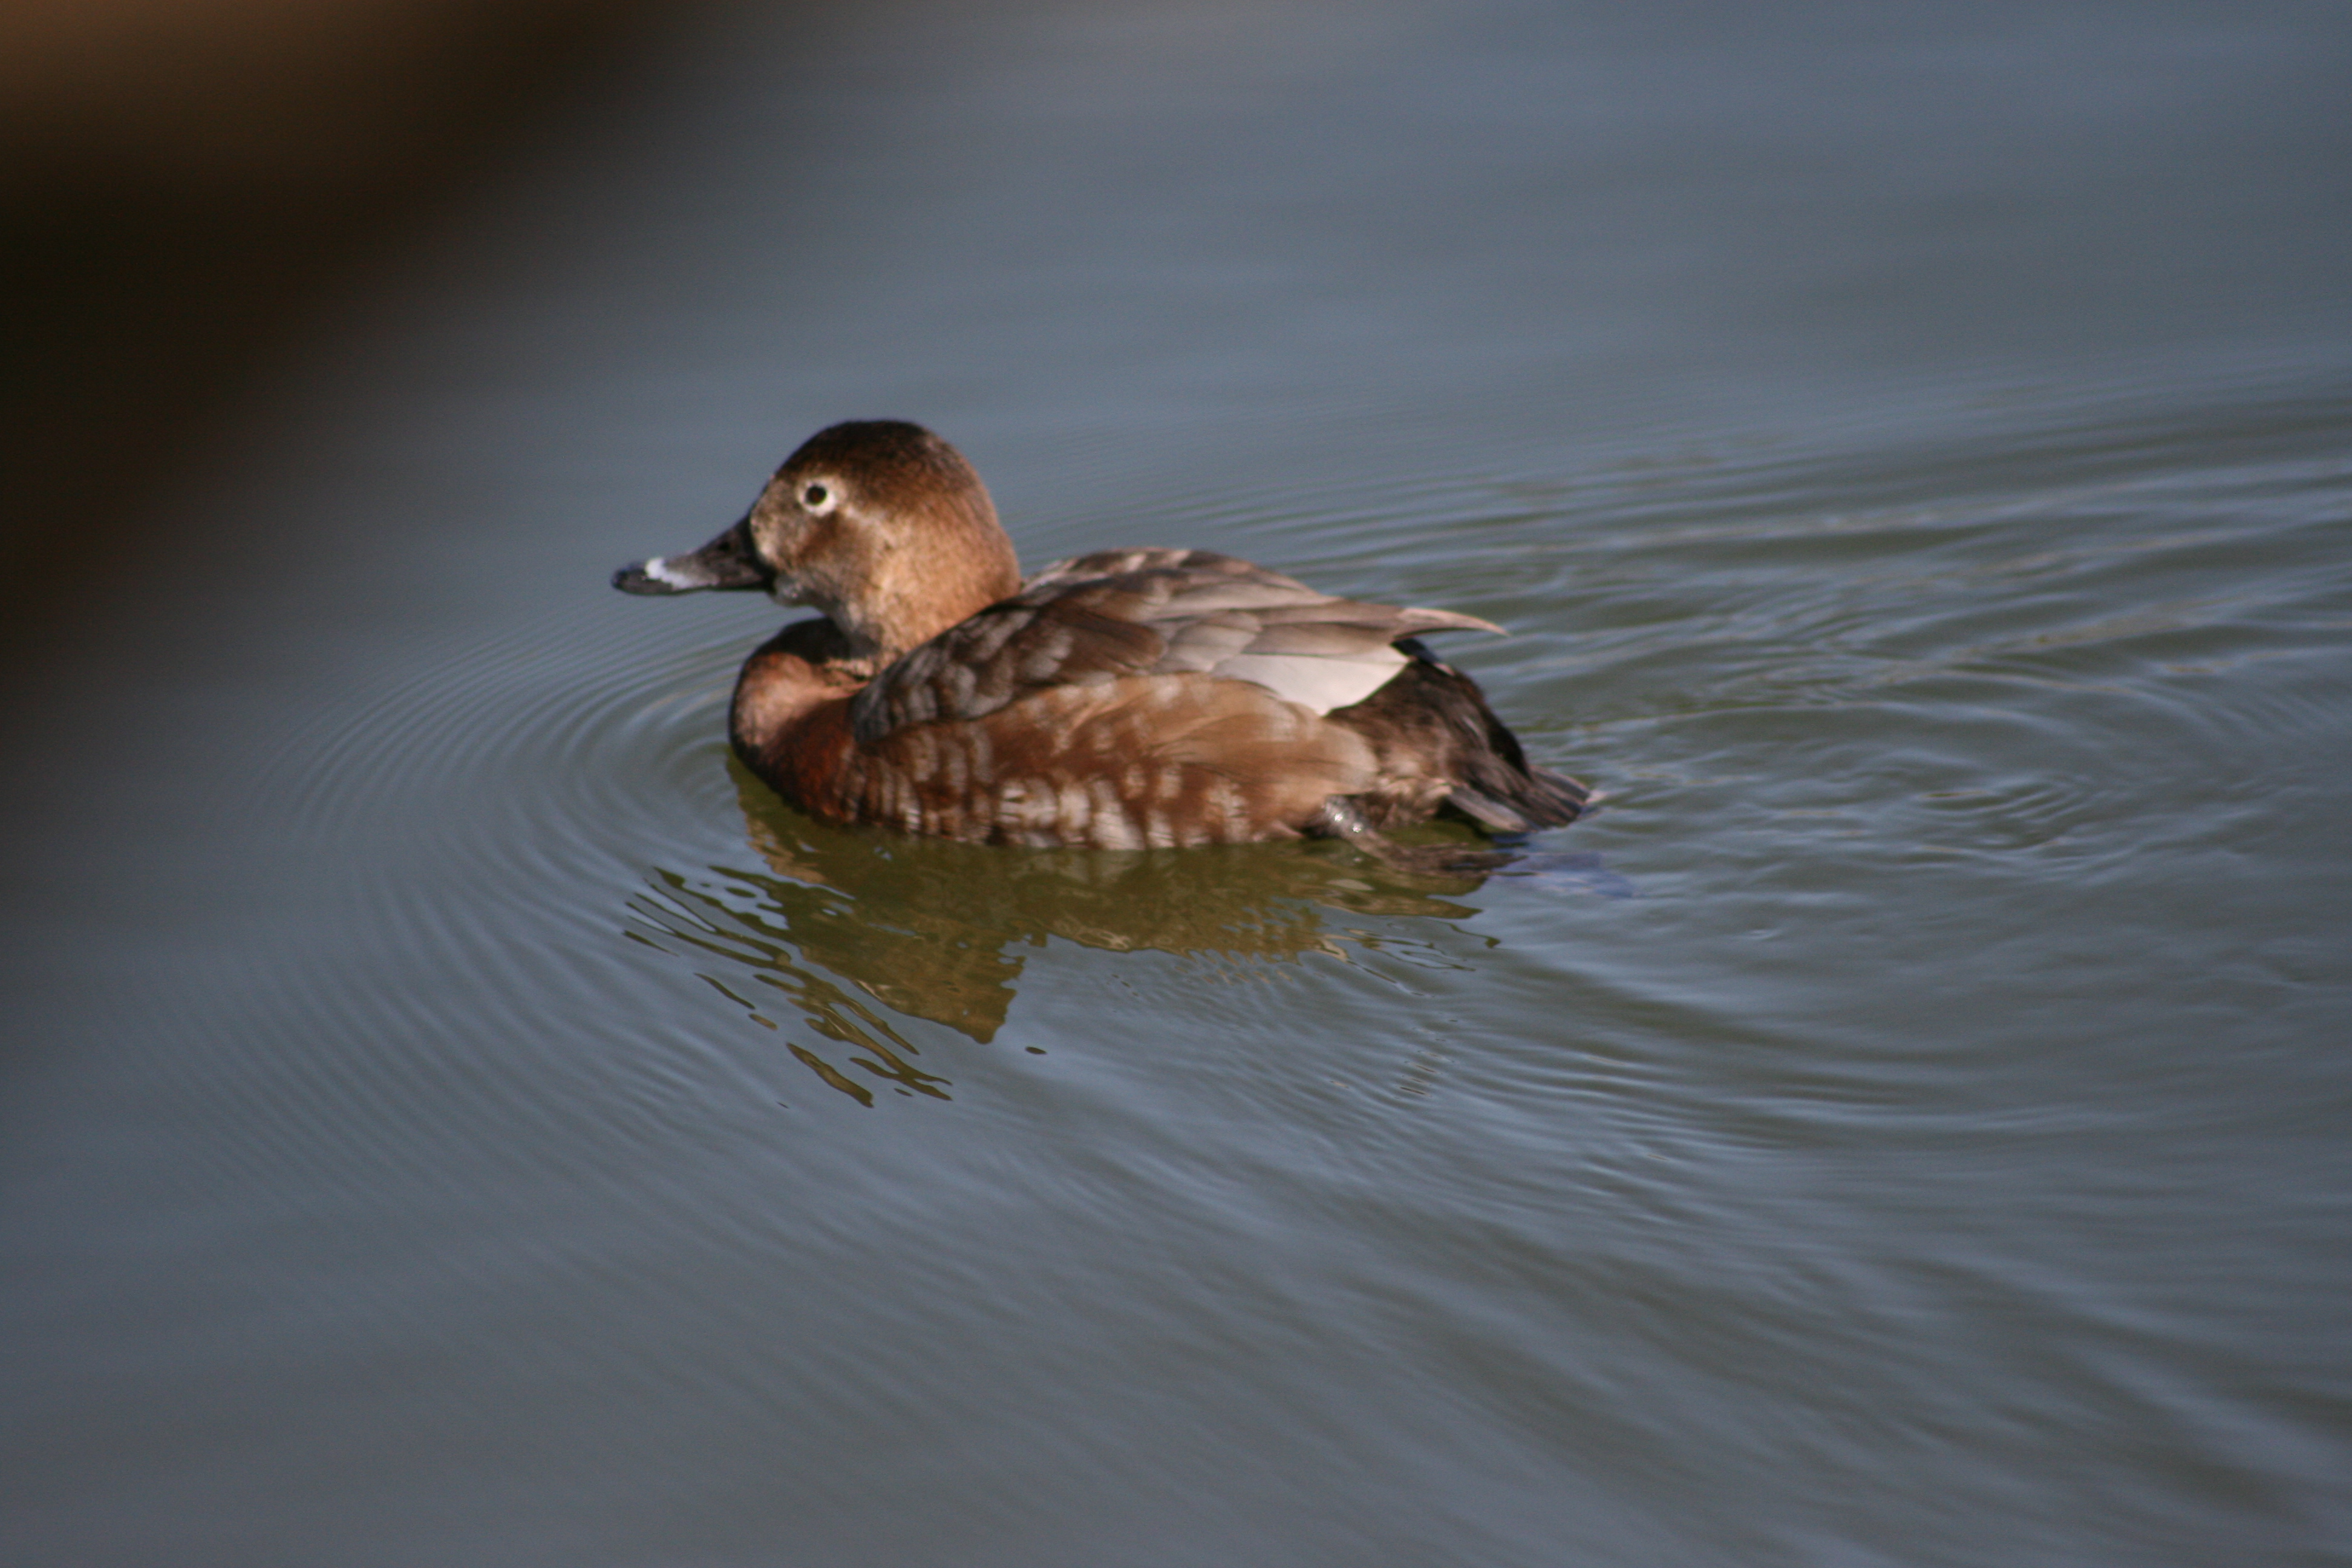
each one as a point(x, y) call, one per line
point(454, 1116)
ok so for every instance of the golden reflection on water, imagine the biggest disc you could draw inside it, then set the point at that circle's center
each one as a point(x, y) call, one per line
point(839, 920)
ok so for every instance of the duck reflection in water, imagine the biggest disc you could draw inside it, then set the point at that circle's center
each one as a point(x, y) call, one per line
point(840, 919)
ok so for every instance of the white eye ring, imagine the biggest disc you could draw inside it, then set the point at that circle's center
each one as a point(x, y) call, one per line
point(818, 499)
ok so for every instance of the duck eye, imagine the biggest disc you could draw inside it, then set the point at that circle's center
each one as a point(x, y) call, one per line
point(813, 497)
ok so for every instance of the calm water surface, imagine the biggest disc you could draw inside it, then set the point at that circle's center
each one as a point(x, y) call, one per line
point(454, 1116)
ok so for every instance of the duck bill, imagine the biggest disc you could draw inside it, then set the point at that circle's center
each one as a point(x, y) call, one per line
point(727, 561)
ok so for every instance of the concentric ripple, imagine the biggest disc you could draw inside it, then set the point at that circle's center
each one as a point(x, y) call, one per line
point(1822, 673)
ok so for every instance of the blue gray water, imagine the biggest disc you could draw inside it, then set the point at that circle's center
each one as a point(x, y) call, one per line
point(455, 1117)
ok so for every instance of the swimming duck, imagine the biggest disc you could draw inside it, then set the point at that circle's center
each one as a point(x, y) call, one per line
point(1125, 700)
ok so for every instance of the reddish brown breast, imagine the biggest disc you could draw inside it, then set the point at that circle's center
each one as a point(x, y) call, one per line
point(812, 762)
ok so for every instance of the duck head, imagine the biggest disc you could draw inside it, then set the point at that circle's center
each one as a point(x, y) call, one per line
point(877, 523)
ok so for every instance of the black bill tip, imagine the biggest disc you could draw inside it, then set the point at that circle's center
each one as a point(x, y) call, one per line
point(653, 576)
point(727, 561)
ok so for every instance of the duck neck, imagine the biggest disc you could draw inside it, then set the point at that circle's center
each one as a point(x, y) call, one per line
point(912, 591)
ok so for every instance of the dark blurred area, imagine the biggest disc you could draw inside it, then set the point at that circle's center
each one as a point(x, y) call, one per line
point(181, 180)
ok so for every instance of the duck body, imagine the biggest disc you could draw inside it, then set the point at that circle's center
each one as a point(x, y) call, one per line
point(1125, 699)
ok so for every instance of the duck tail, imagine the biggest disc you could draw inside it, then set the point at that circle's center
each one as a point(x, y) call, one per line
point(1496, 785)
point(1542, 799)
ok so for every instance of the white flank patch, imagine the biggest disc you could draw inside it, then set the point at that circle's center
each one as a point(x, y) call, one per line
point(1313, 680)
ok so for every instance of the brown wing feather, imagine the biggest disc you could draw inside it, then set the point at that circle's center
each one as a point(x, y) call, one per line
point(1146, 612)
point(1080, 638)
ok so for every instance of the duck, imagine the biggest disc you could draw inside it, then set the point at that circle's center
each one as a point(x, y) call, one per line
point(1125, 700)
